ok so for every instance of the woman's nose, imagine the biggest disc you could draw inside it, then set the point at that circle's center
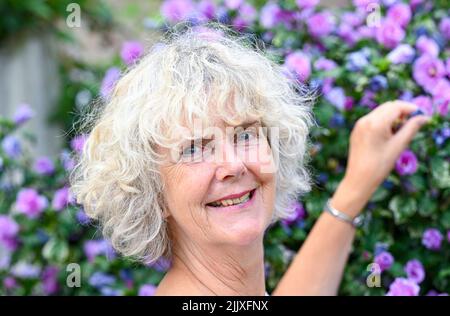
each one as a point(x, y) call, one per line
point(230, 163)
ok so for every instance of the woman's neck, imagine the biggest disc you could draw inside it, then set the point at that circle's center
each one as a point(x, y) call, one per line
point(215, 271)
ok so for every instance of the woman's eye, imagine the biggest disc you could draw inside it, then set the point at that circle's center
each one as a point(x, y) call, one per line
point(246, 137)
point(191, 151)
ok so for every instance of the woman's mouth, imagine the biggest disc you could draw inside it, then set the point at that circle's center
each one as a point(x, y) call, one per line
point(237, 203)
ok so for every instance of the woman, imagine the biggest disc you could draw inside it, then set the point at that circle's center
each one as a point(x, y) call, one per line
point(201, 147)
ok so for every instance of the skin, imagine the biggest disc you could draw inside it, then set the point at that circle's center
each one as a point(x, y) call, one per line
point(221, 253)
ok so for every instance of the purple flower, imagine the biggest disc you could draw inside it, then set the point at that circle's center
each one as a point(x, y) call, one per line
point(112, 75)
point(247, 12)
point(82, 218)
point(8, 232)
point(44, 166)
point(162, 264)
point(400, 13)
point(94, 248)
point(11, 146)
point(442, 107)
point(147, 290)
point(428, 46)
point(444, 27)
point(424, 103)
point(336, 96)
point(441, 90)
point(415, 271)
point(269, 16)
point(306, 4)
point(378, 83)
point(384, 260)
point(427, 70)
point(389, 34)
point(207, 8)
point(100, 279)
point(30, 203)
point(77, 143)
point(406, 163)
point(363, 4)
point(403, 287)
point(25, 270)
point(356, 61)
point(432, 239)
point(50, 280)
point(448, 235)
point(9, 283)
point(435, 293)
point(67, 161)
point(402, 54)
point(131, 52)
point(23, 114)
point(324, 64)
point(298, 63)
point(61, 199)
point(177, 10)
point(233, 4)
point(297, 212)
point(320, 24)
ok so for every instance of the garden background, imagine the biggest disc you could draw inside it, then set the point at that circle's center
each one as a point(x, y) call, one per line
point(356, 54)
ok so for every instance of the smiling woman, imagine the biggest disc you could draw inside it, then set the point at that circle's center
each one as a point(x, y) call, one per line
point(201, 147)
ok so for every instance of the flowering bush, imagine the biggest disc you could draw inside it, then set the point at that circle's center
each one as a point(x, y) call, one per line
point(356, 58)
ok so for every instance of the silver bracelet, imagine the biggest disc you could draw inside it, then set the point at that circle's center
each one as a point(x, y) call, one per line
point(356, 222)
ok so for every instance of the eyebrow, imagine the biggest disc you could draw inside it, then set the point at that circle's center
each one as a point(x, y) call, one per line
point(245, 124)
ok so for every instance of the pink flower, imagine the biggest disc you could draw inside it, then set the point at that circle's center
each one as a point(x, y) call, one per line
point(131, 52)
point(427, 70)
point(428, 46)
point(8, 232)
point(320, 24)
point(403, 287)
point(30, 203)
point(61, 199)
point(177, 10)
point(299, 64)
point(407, 163)
point(77, 143)
point(389, 33)
point(415, 271)
point(305, 4)
point(233, 4)
point(400, 13)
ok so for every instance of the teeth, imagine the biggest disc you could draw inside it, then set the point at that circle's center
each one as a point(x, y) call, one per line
point(230, 202)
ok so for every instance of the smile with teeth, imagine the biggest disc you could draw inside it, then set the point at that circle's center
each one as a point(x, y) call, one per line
point(230, 202)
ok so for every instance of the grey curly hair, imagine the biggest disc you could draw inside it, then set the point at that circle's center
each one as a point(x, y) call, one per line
point(117, 178)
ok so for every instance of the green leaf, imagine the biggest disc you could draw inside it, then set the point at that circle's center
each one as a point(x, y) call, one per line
point(440, 171)
point(56, 250)
point(403, 208)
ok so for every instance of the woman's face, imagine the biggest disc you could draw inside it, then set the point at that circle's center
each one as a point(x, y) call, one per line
point(221, 191)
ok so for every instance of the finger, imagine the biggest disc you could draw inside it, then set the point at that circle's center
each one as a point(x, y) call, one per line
point(391, 111)
point(404, 136)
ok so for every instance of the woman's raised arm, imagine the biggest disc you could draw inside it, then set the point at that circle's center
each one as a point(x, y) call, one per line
point(318, 267)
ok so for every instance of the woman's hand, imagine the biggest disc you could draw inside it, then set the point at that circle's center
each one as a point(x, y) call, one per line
point(374, 149)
